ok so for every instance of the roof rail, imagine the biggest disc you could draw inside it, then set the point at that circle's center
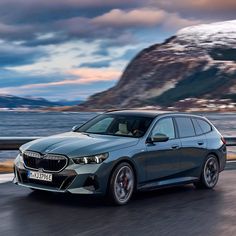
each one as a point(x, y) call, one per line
point(121, 109)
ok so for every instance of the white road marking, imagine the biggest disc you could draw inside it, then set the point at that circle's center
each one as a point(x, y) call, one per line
point(6, 178)
point(232, 161)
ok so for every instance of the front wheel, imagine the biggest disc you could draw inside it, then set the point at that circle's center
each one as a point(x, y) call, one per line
point(210, 173)
point(121, 184)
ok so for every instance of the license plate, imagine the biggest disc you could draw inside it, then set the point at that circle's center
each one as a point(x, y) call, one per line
point(40, 176)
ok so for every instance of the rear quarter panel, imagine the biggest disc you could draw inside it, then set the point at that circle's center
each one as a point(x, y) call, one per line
point(217, 147)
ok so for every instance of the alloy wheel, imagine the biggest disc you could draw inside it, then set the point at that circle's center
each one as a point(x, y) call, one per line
point(124, 184)
point(211, 172)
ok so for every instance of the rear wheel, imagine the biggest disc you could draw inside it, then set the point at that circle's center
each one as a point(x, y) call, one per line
point(210, 173)
point(121, 184)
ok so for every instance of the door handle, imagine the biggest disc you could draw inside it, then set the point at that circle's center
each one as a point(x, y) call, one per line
point(200, 143)
point(175, 146)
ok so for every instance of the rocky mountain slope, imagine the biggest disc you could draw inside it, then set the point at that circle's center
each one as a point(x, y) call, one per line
point(196, 68)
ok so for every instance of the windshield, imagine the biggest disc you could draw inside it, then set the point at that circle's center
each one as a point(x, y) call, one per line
point(118, 125)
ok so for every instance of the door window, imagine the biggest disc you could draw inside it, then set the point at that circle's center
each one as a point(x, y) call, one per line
point(185, 127)
point(164, 126)
point(197, 127)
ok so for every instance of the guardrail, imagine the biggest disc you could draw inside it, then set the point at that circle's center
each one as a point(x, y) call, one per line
point(230, 141)
point(13, 143)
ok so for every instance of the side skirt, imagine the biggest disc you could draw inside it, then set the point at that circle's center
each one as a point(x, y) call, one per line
point(167, 183)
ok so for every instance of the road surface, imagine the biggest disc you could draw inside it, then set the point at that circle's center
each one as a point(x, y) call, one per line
point(176, 211)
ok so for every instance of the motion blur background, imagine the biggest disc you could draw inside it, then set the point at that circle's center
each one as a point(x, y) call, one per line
point(62, 62)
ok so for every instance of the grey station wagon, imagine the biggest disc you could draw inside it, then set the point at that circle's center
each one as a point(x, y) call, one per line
point(119, 152)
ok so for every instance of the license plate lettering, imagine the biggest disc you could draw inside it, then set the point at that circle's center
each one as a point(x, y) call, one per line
point(40, 176)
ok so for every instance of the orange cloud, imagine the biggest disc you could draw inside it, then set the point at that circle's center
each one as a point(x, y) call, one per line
point(136, 17)
point(91, 75)
point(176, 22)
point(143, 17)
point(204, 5)
point(85, 76)
point(211, 5)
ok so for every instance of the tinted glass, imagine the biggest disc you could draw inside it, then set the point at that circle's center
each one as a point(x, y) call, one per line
point(185, 127)
point(164, 126)
point(118, 125)
point(197, 127)
point(204, 126)
point(100, 126)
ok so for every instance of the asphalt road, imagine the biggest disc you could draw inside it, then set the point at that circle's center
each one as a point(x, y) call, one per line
point(176, 211)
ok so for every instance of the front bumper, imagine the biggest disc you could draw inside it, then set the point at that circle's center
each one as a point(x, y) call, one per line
point(76, 179)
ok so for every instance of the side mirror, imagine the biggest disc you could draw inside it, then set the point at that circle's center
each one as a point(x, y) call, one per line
point(74, 128)
point(159, 138)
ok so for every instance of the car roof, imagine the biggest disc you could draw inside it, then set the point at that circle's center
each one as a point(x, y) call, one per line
point(145, 113)
point(149, 113)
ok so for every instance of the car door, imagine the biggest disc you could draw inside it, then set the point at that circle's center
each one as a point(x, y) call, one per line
point(163, 157)
point(193, 149)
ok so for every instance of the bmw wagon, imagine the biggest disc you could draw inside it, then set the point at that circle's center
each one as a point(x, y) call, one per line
point(120, 152)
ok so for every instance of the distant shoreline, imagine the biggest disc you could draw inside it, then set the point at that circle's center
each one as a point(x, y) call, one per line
point(74, 110)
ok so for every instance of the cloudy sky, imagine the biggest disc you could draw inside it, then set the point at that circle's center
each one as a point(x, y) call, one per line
point(70, 49)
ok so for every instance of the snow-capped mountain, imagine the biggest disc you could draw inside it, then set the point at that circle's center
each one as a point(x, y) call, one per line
point(209, 35)
point(196, 68)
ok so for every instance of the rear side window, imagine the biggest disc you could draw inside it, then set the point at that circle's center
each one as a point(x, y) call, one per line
point(204, 126)
point(197, 127)
point(185, 127)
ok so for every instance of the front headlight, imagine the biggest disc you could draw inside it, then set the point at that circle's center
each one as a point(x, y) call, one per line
point(95, 159)
point(20, 157)
point(20, 153)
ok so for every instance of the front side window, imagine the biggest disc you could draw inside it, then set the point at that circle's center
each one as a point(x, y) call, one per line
point(185, 127)
point(117, 125)
point(164, 126)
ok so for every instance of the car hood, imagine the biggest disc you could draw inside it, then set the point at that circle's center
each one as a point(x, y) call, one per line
point(73, 144)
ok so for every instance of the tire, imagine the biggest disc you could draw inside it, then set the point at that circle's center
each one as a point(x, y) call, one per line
point(210, 173)
point(121, 186)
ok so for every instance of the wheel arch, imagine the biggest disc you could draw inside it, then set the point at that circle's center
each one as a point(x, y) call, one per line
point(131, 163)
point(211, 152)
point(214, 154)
